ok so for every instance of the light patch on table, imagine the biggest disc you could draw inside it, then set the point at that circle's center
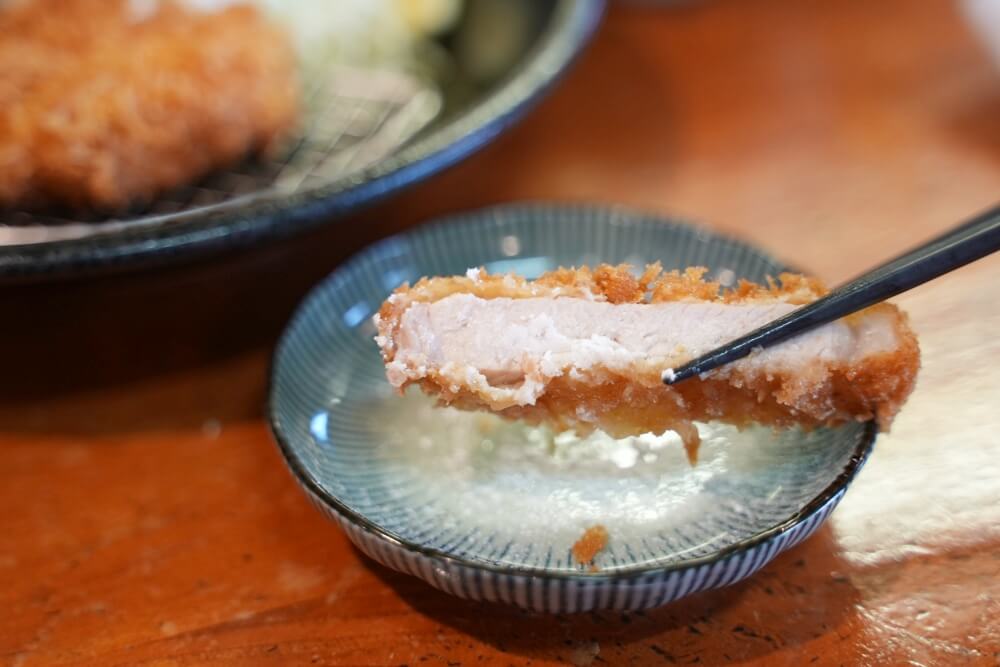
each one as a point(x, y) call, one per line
point(934, 481)
point(295, 578)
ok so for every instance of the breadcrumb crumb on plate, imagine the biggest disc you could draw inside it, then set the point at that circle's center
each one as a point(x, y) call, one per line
point(591, 543)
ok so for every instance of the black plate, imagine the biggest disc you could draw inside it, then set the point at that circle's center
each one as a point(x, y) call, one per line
point(473, 113)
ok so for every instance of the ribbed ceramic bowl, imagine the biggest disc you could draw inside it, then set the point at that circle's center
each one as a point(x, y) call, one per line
point(490, 510)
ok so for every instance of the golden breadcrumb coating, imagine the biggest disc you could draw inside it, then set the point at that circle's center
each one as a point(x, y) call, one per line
point(592, 542)
point(107, 103)
point(636, 400)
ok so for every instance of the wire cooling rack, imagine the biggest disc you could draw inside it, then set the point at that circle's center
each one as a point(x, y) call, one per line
point(353, 118)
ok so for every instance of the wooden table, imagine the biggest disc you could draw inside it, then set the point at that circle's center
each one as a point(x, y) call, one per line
point(147, 518)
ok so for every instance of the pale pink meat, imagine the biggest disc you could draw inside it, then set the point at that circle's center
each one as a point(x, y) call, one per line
point(507, 340)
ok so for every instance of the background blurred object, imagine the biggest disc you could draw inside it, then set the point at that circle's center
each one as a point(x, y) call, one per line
point(394, 93)
point(984, 16)
point(430, 17)
point(365, 32)
point(496, 31)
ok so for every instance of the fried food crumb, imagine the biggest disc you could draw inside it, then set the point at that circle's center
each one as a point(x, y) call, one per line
point(591, 543)
point(690, 439)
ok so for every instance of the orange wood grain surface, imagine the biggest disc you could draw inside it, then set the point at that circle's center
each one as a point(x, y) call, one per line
point(146, 517)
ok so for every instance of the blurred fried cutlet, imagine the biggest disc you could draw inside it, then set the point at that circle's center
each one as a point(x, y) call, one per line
point(110, 102)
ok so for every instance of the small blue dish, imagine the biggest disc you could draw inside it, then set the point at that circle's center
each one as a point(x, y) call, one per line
point(489, 510)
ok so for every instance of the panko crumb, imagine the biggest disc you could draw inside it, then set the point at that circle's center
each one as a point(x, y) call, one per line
point(592, 542)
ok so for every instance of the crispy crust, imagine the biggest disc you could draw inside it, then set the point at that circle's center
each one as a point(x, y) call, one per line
point(88, 123)
point(636, 402)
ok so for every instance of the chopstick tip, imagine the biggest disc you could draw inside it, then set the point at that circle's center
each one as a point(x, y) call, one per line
point(672, 376)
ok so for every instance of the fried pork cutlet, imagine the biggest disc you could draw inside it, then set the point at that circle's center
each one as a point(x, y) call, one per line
point(582, 350)
point(103, 104)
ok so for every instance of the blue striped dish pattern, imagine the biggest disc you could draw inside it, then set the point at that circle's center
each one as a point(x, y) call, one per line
point(489, 510)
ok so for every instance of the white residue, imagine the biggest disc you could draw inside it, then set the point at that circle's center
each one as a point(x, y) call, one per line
point(532, 484)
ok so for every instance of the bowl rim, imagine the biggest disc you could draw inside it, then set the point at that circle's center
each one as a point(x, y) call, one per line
point(621, 216)
point(542, 65)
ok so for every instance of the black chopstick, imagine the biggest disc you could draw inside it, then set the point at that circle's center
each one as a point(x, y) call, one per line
point(966, 243)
